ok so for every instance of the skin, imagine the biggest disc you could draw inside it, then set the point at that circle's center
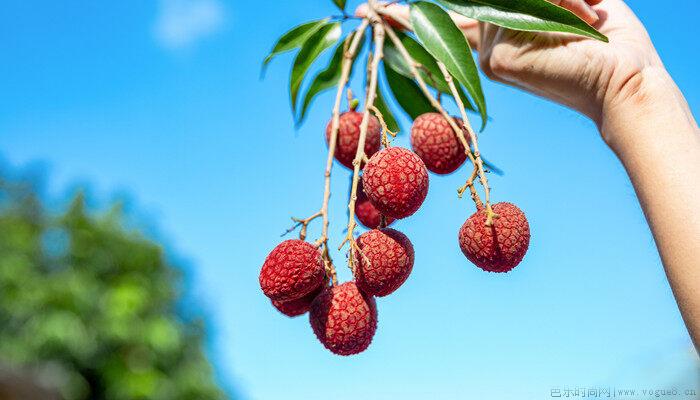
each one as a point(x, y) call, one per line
point(640, 113)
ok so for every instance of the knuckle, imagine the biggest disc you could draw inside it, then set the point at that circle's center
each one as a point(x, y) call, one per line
point(500, 64)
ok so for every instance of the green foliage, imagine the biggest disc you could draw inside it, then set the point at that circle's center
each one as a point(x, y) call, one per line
point(429, 71)
point(310, 50)
point(324, 80)
point(446, 42)
point(327, 78)
point(439, 40)
point(97, 303)
point(524, 15)
point(389, 118)
point(294, 38)
point(407, 93)
point(340, 4)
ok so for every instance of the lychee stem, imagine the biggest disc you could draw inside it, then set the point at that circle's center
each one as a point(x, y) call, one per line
point(304, 223)
point(371, 95)
point(475, 142)
point(432, 80)
point(385, 129)
point(470, 185)
point(348, 57)
point(434, 102)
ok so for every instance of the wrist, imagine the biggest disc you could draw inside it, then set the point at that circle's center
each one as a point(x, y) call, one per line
point(645, 104)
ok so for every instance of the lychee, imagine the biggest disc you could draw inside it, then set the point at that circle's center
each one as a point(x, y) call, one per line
point(385, 263)
point(499, 247)
point(349, 136)
point(436, 143)
point(344, 319)
point(396, 182)
point(292, 270)
point(368, 215)
point(295, 308)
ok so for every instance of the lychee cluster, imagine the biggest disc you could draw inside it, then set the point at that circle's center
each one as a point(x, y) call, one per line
point(388, 184)
point(495, 244)
point(393, 186)
point(343, 317)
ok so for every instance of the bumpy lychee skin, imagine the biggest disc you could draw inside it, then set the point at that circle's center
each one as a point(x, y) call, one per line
point(396, 182)
point(349, 136)
point(344, 319)
point(436, 143)
point(368, 214)
point(500, 247)
point(295, 308)
point(292, 270)
point(390, 255)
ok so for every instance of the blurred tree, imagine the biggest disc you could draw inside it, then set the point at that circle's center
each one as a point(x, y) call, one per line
point(90, 307)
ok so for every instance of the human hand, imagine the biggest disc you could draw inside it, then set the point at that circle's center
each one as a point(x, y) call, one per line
point(587, 75)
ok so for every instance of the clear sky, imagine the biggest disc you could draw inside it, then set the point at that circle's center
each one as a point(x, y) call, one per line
point(161, 100)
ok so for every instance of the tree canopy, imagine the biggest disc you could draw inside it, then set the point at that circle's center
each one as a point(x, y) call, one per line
point(92, 306)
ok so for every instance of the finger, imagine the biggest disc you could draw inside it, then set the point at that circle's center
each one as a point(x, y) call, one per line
point(399, 12)
point(361, 10)
point(473, 33)
point(581, 8)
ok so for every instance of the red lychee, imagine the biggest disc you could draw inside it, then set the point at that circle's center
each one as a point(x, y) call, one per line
point(396, 182)
point(295, 308)
point(436, 143)
point(292, 270)
point(390, 255)
point(344, 319)
point(500, 247)
point(368, 215)
point(349, 135)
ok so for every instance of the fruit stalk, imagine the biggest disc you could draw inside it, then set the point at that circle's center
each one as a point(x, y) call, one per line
point(348, 57)
point(433, 101)
point(470, 186)
point(379, 35)
point(386, 132)
point(477, 155)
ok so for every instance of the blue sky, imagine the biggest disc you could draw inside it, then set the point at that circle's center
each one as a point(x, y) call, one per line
point(161, 100)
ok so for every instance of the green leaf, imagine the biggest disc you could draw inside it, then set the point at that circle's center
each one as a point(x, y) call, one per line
point(294, 39)
point(407, 93)
point(340, 4)
point(312, 48)
point(324, 80)
point(329, 77)
point(443, 39)
point(524, 15)
point(389, 118)
point(491, 167)
point(430, 72)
